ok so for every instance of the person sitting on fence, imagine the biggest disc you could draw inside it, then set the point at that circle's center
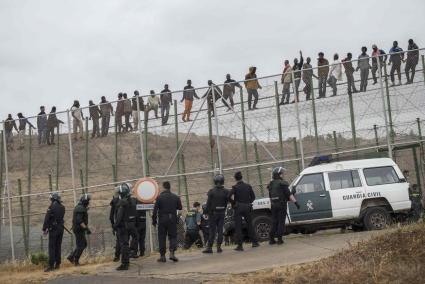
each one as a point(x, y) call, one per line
point(42, 126)
point(52, 123)
point(153, 104)
point(9, 124)
point(22, 127)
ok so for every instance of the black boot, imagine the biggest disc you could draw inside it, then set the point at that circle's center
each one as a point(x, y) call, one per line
point(272, 241)
point(116, 259)
point(239, 248)
point(173, 256)
point(219, 250)
point(208, 250)
point(162, 259)
point(70, 259)
point(123, 266)
point(49, 269)
point(57, 266)
point(255, 244)
point(280, 241)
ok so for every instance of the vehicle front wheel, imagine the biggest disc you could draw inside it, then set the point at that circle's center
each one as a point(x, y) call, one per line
point(376, 218)
point(262, 227)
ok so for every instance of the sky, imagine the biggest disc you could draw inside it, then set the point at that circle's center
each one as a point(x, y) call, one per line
point(55, 51)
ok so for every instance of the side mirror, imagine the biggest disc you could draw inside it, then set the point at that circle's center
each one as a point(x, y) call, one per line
point(293, 190)
point(402, 180)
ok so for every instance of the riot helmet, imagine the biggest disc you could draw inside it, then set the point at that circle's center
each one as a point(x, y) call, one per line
point(219, 179)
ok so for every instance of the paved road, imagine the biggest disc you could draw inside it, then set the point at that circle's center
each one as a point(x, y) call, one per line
point(195, 267)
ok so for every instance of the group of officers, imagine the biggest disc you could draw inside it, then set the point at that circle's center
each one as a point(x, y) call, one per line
point(129, 224)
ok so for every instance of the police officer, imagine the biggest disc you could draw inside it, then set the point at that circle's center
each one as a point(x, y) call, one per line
point(141, 230)
point(132, 226)
point(165, 215)
point(193, 223)
point(121, 220)
point(205, 227)
point(241, 197)
point(279, 196)
point(218, 198)
point(80, 221)
point(112, 217)
point(53, 225)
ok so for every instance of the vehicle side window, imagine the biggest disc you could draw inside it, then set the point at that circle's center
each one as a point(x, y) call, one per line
point(344, 179)
point(381, 175)
point(311, 183)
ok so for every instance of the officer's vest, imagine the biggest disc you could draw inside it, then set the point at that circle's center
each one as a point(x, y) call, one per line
point(276, 191)
point(79, 209)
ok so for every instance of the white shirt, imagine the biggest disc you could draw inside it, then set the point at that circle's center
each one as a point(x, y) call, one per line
point(336, 70)
point(76, 112)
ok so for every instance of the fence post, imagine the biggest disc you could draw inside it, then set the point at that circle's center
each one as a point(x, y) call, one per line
point(313, 105)
point(41, 243)
point(211, 156)
point(245, 145)
point(103, 236)
point(260, 178)
point(116, 148)
point(186, 190)
point(390, 116)
point(114, 173)
point(423, 66)
point(7, 186)
point(57, 160)
point(353, 122)
point(146, 145)
point(86, 150)
point(50, 183)
point(294, 140)
point(335, 143)
point(82, 181)
point(29, 183)
point(279, 120)
point(21, 204)
point(297, 111)
point(1, 184)
point(390, 152)
point(71, 156)
point(176, 132)
point(217, 130)
point(421, 148)
point(142, 152)
point(375, 129)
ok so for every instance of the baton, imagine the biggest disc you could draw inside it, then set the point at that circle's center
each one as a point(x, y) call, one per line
point(69, 232)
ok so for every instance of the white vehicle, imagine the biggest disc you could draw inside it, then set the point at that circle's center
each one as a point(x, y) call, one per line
point(359, 193)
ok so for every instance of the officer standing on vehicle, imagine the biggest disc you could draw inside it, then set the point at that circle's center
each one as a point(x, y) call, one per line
point(132, 226)
point(80, 221)
point(141, 230)
point(193, 223)
point(205, 226)
point(165, 215)
point(121, 221)
point(279, 196)
point(53, 225)
point(218, 197)
point(241, 197)
point(112, 218)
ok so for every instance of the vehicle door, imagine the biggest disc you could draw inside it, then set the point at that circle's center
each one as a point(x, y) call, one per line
point(346, 192)
point(314, 199)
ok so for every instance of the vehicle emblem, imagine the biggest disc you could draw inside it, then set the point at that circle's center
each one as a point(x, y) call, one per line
point(309, 205)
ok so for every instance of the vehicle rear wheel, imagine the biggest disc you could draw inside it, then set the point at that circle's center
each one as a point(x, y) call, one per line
point(376, 218)
point(262, 227)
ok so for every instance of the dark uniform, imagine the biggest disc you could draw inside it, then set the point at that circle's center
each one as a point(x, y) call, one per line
point(165, 214)
point(218, 197)
point(123, 208)
point(205, 226)
point(241, 196)
point(141, 230)
point(53, 223)
point(193, 218)
point(112, 217)
point(279, 196)
point(80, 216)
point(132, 227)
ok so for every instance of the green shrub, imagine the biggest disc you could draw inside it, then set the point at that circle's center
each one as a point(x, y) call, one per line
point(39, 258)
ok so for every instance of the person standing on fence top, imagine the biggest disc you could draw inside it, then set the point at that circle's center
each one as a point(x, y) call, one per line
point(136, 110)
point(322, 74)
point(53, 225)
point(307, 77)
point(127, 113)
point(411, 61)
point(335, 74)
point(297, 67)
point(80, 222)
point(9, 124)
point(106, 111)
point(349, 73)
point(377, 54)
point(166, 100)
point(95, 115)
point(165, 216)
point(364, 66)
point(119, 112)
point(217, 94)
point(42, 126)
point(229, 90)
point(77, 122)
point(189, 94)
point(252, 85)
point(396, 57)
point(153, 104)
point(286, 80)
point(22, 127)
point(52, 124)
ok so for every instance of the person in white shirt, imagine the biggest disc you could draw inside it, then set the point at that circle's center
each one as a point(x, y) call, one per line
point(153, 104)
point(335, 74)
point(77, 121)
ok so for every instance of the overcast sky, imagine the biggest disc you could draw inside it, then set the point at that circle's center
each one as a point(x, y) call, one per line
point(55, 51)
